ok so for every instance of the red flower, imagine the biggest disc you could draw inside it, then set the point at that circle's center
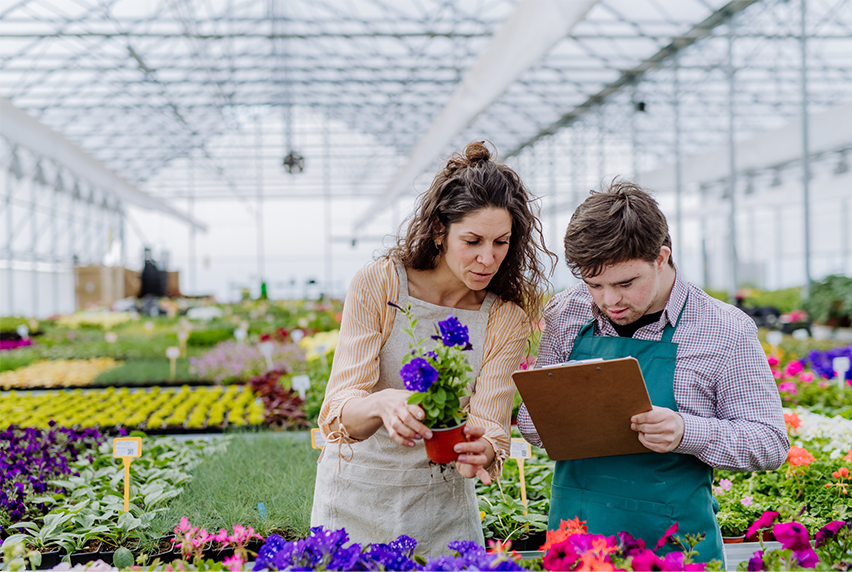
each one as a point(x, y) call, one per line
point(792, 420)
point(566, 528)
point(800, 456)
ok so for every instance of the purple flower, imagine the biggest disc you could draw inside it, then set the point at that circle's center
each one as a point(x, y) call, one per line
point(453, 333)
point(666, 536)
point(627, 544)
point(418, 375)
point(792, 535)
point(646, 560)
point(806, 558)
point(828, 532)
point(755, 563)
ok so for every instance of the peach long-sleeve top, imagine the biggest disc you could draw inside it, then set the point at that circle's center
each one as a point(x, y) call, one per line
point(367, 324)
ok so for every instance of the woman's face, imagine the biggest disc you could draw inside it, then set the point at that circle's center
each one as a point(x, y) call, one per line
point(475, 246)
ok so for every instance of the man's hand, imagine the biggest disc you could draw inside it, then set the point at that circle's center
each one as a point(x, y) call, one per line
point(660, 429)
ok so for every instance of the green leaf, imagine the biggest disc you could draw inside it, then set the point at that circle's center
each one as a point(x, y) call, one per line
point(123, 558)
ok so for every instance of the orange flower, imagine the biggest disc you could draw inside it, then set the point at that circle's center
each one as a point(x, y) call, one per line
point(842, 473)
point(848, 456)
point(566, 528)
point(792, 420)
point(800, 456)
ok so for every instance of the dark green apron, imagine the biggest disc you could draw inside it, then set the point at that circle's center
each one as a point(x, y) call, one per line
point(643, 494)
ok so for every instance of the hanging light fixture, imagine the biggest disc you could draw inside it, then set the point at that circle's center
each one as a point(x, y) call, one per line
point(842, 165)
point(776, 178)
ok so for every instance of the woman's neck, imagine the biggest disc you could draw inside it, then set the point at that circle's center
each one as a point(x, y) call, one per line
point(443, 289)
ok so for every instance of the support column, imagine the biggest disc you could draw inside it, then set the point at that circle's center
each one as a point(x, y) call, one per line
point(634, 146)
point(34, 245)
point(10, 273)
point(845, 260)
point(732, 167)
point(555, 231)
point(806, 154)
point(601, 146)
point(326, 183)
point(54, 247)
point(259, 214)
point(678, 167)
point(190, 187)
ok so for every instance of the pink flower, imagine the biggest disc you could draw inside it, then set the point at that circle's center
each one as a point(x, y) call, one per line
point(718, 490)
point(183, 526)
point(747, 501)
point(222, 536)
point(560, 556)
point(806, 558)
point(765, 520)
point(773, 361)
point(788, 387)
point(726, 484)
point(644, 560)
point(234, 563)
point(792, 535)
point(823, 384)
point(666, 537)
point(806, 377)
point(793, 368)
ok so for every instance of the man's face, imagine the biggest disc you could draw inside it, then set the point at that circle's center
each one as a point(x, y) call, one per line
point(626, 291)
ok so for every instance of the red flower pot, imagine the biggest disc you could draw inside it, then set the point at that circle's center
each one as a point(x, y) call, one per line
point(439, 448)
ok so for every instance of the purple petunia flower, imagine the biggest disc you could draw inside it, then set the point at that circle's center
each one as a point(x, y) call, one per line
point(755, 563)
point(765, 521)
point(806, 558)
point(453, 333)
point(418, 375)
point(828, 532)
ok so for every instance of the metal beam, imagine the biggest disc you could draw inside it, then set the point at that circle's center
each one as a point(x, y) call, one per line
point(27, 132)
point(530, 32)
point(631, 76)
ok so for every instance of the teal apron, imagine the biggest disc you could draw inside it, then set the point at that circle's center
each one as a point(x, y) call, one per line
point(643, 494)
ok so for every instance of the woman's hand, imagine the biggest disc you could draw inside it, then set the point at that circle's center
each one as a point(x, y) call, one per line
point(401, 419)
point(475, 455)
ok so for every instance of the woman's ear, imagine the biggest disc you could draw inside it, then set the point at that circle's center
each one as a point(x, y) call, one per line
point(438, 232)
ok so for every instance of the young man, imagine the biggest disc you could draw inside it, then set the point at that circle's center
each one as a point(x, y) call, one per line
point(715, 402)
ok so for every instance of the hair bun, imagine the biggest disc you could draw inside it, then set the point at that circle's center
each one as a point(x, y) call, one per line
point(476, 152)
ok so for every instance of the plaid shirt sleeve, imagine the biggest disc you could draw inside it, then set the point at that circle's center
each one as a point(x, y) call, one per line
point(723, 386)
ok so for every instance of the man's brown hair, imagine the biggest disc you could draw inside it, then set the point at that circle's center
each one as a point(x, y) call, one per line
point(615, 225)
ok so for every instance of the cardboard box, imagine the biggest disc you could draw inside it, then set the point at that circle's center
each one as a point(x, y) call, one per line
point(173, 284)
point(98, 285)
point(132, 283)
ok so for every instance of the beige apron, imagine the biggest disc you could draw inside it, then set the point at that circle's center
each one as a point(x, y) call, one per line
point(387, 489)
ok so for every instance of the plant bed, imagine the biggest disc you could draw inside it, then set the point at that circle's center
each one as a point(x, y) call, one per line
point(164, 551)
point(530, 542)
point(50, 557)
point(89, 553)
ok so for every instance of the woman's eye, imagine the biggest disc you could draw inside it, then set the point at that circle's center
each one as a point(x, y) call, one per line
point(472, 241)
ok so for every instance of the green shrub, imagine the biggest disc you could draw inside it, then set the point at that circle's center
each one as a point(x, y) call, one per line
point(142, 370)
point(718, 294)
point(785, 300)
point(206, 338)
point(830, 301)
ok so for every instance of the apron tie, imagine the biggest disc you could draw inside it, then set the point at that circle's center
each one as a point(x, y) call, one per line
point(341, 436)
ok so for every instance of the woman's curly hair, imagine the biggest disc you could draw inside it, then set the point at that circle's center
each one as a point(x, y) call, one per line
point(469, 183)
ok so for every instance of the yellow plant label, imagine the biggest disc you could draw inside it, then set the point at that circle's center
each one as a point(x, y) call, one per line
point(317, 439)
point(126, 447)
point(520, 449)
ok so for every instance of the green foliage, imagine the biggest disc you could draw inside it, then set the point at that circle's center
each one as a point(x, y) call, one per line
point(19, 357)
point(830, 301)
point(785, 300)
point(277, 469)
point(206, 338)
point(718, 294)
point(144, 370)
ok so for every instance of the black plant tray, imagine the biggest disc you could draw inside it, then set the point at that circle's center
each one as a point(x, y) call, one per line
point(131, 385)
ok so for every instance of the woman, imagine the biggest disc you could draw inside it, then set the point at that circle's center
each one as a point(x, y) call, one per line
point(471, 249)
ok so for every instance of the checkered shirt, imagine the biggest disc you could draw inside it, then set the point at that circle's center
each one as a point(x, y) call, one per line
point(723, 386)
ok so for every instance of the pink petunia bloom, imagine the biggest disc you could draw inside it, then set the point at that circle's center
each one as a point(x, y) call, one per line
point(806, 558)
point(233, 563)
point(773, 361)
point(793, 368)
point(789, 387)
point(828, 532)
point(823, 384)
point(747, 501)
point(666, 537)
point(560, 556)
point(806, 377)
point(726, 484)
point(765, 521)
point(644, 560)
point(674, 561)
point(792, 535)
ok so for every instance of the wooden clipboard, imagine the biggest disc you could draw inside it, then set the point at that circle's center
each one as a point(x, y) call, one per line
point(583, 410)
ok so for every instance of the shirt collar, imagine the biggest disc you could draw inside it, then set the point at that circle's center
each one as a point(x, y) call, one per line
point(676, 302)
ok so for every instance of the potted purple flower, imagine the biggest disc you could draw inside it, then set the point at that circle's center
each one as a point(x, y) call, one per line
point(439, 379)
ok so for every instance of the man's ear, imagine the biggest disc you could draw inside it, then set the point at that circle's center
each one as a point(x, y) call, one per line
point(663, 257)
